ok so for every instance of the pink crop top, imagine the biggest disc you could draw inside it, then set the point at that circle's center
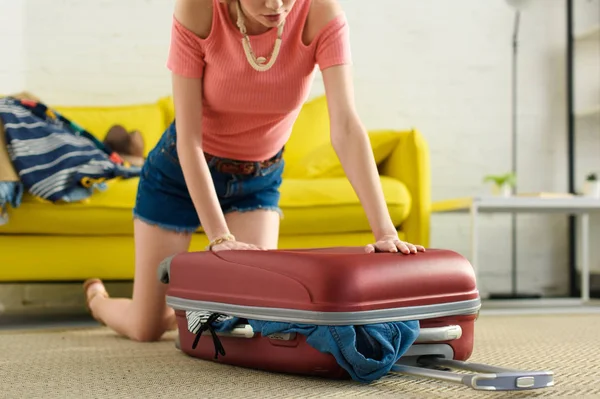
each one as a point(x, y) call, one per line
point(248, 115)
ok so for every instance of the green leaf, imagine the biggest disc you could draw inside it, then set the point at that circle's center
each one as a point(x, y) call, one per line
point(500, 180)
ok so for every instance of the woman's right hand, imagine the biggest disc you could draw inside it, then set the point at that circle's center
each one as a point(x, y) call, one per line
point(235, 246)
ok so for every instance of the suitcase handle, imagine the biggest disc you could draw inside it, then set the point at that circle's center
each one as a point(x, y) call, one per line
point(439, 334)
point(486, 377)
point(436, 334)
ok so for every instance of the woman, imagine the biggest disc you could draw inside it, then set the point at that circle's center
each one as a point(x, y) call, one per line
point(241, 70)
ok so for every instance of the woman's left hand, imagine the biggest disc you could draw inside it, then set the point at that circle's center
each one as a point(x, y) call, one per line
point(393, 244)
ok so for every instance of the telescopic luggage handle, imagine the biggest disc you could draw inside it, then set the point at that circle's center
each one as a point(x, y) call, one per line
point(485, 377)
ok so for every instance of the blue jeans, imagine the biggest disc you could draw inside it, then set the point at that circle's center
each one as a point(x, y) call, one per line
point(163, 199)
point(366, 352)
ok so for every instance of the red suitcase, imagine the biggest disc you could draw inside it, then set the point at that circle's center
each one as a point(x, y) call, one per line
point(336, 286)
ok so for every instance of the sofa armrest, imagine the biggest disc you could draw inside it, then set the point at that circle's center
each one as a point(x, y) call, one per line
point(409, 163)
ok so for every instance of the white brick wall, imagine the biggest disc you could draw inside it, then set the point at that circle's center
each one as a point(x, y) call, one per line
point(12, 46)
point(98, 52)
point(441, 66)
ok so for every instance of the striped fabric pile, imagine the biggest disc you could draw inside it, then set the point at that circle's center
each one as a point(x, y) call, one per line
point(56, 160)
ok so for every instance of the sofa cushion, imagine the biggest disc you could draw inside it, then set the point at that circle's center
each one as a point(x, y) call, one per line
point(324, 162)
point(104, 213)
point(148, 119)
point(310, 131)
point(310, 207)
point(330, 205)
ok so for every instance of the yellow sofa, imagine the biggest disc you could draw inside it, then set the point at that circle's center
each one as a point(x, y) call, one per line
point(66, 242)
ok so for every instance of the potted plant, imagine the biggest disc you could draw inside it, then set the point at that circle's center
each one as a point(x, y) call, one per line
point(503, 184)
point(591, 187)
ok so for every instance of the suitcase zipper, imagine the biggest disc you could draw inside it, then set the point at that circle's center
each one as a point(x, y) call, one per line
point(330, 318)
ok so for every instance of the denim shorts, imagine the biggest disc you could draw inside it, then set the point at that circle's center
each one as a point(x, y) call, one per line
point(163, 199)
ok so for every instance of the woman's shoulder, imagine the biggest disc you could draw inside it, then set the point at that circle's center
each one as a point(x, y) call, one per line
point(195, 15)
point(320, 14)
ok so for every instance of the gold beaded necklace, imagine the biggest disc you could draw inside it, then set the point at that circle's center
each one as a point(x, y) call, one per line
point(258, 63)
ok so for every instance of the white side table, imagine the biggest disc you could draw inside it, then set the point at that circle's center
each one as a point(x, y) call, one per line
point(579, 206)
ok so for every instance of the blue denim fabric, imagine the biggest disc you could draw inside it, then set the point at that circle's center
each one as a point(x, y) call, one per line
point(163, 198)
point(11, 193)
point(81, 193)
point(366, 352)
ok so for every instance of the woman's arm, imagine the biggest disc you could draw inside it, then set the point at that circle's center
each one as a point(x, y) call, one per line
point(186, 61)
point(351, 143)
point(348, 137)
point(352, 146)
point(187, 97)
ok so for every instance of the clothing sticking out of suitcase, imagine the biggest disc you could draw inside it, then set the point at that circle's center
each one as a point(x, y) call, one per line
point(335, 313)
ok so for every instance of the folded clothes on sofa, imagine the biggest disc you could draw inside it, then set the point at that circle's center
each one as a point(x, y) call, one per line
point(55, 159)
point(366, 352)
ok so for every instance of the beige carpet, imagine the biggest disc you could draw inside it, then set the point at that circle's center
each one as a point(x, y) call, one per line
point(94, 363)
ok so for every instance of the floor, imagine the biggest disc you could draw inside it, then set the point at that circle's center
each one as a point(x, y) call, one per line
point(73, 357)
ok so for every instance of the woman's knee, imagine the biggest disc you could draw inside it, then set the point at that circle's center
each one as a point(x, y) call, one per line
point(145, 334)
point(150, 331)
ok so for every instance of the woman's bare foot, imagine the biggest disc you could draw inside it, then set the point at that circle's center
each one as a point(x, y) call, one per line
point(94, 288)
